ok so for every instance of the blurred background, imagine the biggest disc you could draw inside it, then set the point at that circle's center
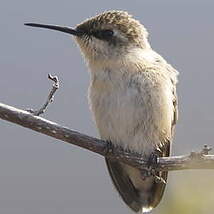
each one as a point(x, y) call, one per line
point(40, 175)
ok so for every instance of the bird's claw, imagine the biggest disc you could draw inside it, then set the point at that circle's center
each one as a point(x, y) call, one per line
point(109, 147)
point(151, 164)
point(153, 160)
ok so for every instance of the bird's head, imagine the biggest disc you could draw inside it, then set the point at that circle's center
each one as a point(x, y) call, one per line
point(110, 34)
point(106, 36)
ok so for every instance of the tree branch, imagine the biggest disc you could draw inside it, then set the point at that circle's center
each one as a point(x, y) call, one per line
point(195, 160)
point(50, 98)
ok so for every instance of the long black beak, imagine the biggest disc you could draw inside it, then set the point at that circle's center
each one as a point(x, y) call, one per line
point(58, 28)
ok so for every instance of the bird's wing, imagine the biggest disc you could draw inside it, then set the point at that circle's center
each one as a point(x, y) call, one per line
point(164, 151)
point(175, 105)
point(124, 185)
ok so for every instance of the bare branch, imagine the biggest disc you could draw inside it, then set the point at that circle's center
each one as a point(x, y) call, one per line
point(195, 160)
point(50, 96)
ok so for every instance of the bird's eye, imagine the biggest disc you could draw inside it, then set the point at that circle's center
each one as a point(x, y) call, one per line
point(107, 33)
point(104, 34)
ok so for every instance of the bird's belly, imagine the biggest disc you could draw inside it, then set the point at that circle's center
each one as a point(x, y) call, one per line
point(123, 119)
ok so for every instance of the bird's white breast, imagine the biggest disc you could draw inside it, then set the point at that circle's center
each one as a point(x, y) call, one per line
point(131, 109)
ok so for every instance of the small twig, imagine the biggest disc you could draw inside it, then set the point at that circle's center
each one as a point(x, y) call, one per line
point(200, 160)
point(50, 96)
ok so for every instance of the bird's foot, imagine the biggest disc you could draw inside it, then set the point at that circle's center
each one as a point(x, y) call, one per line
point(151, 164)
point(153, 159)
point(110, 146)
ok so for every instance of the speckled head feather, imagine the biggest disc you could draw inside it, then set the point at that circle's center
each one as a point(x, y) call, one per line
point(127, 31)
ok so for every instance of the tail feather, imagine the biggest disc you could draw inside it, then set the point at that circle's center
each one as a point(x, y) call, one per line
point(139, 194)
point(124, 185)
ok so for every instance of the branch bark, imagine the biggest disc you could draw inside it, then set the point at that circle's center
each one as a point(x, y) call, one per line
point(200, 160)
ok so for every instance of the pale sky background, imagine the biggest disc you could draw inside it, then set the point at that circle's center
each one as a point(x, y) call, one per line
point(40, 175)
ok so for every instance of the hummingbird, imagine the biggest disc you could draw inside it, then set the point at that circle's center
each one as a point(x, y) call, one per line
point(132, 96)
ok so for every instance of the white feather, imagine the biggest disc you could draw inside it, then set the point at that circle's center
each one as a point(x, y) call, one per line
point(132, 102)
